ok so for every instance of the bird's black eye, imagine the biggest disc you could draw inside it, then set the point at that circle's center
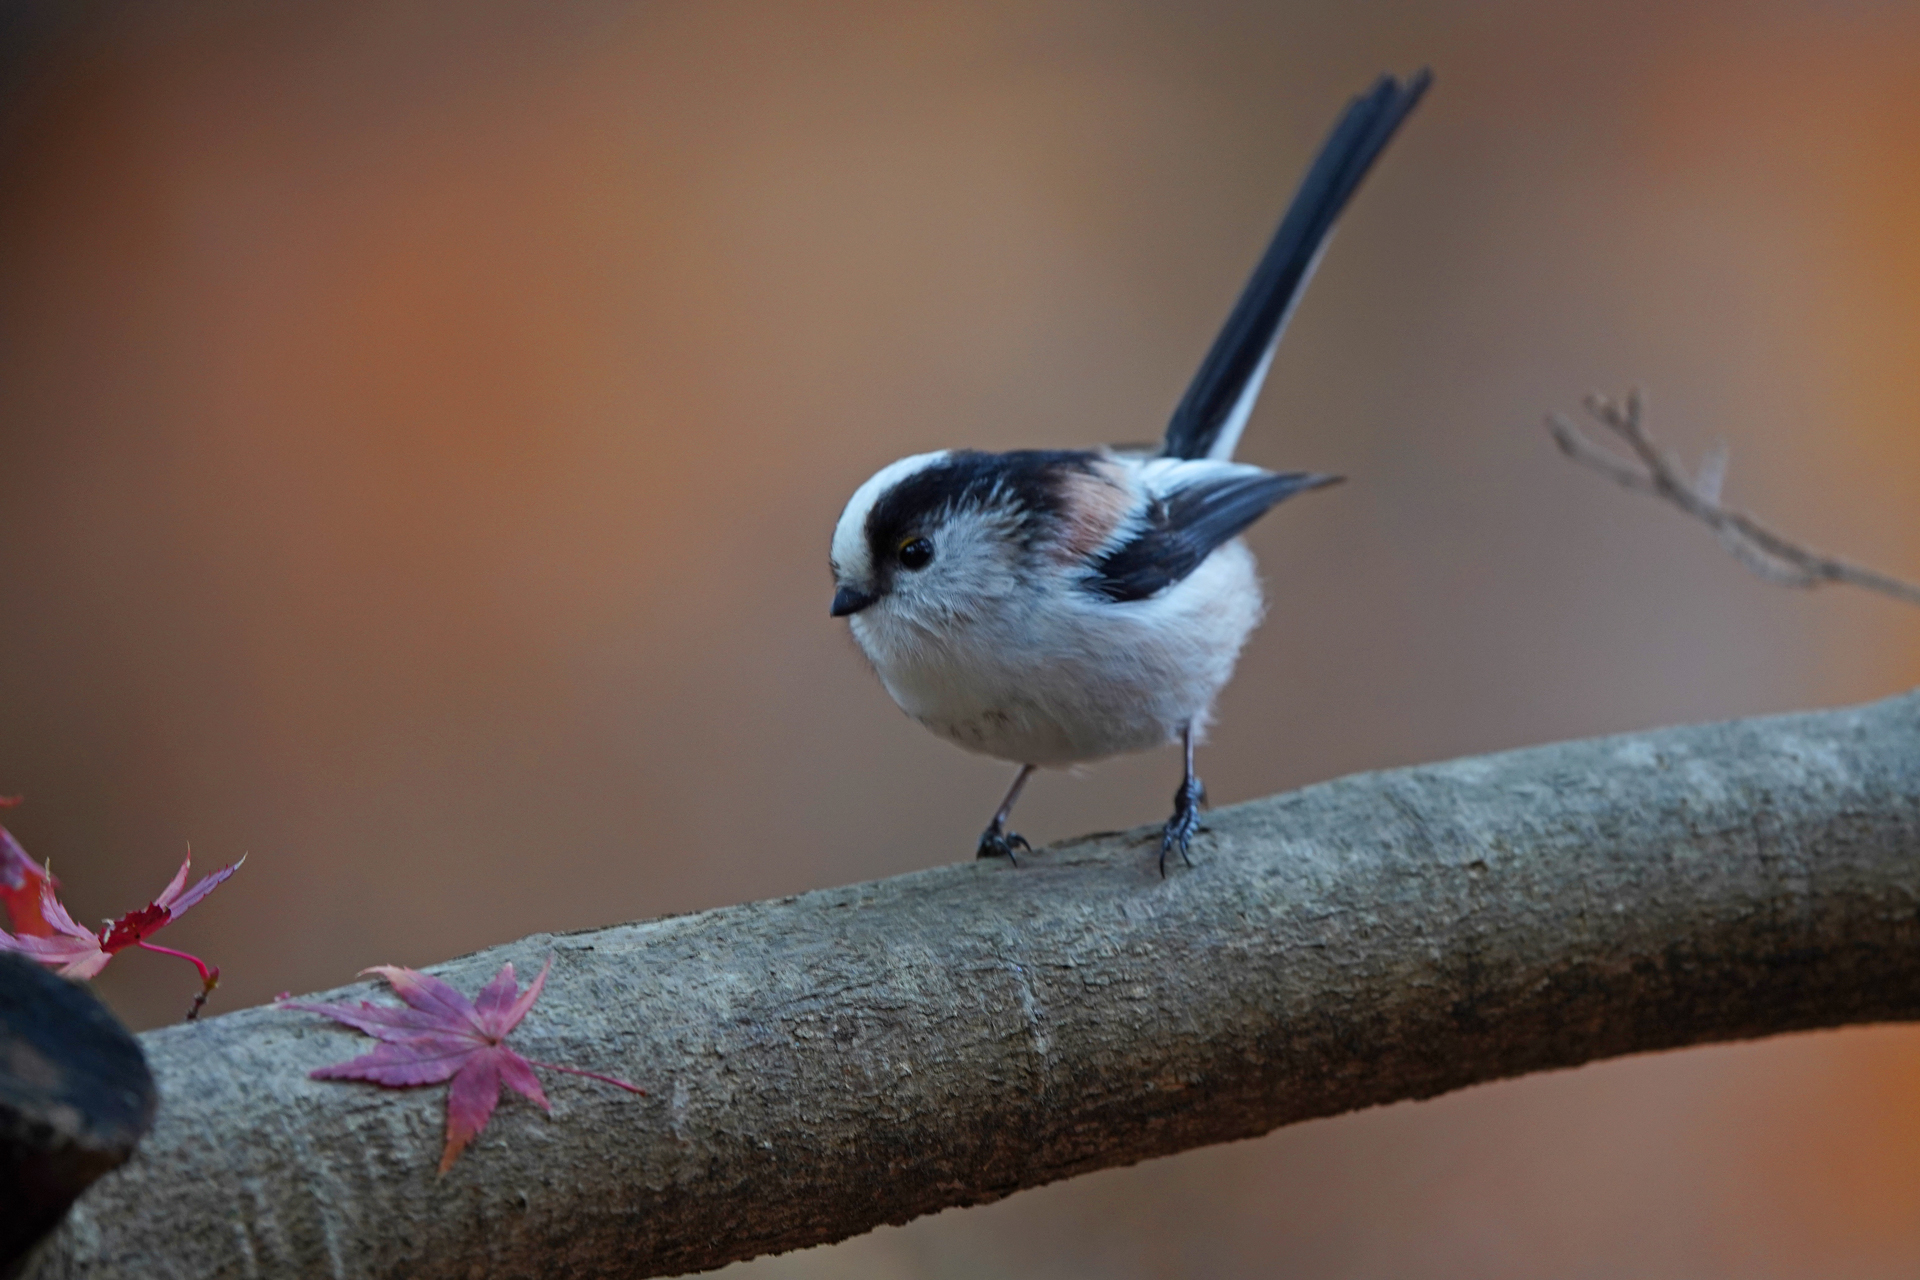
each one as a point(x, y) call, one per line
point(916, 553)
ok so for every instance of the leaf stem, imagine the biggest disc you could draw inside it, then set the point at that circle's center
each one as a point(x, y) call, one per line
point(209, 974)
point(591, 1075)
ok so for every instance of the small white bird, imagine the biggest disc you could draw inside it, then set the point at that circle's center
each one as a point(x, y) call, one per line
point(1053, 607)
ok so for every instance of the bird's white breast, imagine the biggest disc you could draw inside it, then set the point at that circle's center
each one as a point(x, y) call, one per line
point(1063, 676)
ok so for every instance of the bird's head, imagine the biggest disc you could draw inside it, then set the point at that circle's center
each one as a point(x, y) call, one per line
point(936, 539)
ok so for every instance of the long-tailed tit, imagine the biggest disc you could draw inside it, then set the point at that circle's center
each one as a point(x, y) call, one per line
point(1051, 607)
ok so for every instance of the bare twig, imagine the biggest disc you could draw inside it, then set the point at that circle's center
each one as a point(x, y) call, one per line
point(1652, 469)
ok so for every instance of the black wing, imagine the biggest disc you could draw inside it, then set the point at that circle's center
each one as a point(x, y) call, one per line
point(1229, 377)
point(1184, 526)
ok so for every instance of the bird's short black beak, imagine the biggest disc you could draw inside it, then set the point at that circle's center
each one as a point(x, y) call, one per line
point(851, 600)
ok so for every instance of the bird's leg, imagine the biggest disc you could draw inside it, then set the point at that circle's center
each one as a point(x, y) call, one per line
point(996, 841)
point(1187, 800)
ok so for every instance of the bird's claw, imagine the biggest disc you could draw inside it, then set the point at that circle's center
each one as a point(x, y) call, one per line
point(1184, 824)
point(997, 842)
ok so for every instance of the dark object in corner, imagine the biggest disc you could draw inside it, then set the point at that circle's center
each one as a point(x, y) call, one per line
point(75, 1098)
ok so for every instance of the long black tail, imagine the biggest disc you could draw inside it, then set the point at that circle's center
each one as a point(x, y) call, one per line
point(1210, 416)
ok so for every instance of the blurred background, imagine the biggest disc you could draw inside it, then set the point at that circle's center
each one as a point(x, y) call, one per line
point(421, 427)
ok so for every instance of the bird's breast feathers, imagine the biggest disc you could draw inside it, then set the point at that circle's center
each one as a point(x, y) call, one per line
point(1065, 677)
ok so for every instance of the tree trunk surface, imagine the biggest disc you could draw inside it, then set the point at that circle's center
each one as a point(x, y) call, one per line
point(821, 1064)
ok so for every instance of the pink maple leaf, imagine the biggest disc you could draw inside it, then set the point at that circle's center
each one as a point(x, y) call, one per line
point(441, 1035)
point(20, 881)
point(82, 953)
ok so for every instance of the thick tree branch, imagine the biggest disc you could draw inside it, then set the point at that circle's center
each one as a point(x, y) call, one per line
point(1653, 470)
point(825, 1063)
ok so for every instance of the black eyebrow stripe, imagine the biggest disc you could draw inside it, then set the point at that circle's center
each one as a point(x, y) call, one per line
point(1029, 482)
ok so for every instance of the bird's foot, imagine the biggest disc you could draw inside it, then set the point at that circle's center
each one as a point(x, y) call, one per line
point(1184, 824)
point(998, 842)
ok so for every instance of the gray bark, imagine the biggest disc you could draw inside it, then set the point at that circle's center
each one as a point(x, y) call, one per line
point(829, 1062)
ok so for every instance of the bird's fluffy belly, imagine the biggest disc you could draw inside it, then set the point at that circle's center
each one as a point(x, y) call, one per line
point(1072, 686)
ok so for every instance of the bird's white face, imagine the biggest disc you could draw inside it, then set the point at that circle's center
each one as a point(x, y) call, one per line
point(924, 548)
point(852, 558)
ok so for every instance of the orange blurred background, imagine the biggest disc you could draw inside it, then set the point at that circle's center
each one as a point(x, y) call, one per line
point(421, 428)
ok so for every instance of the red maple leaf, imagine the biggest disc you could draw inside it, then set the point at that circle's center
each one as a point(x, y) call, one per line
point(441, 1035)
point(82, 953)
point(20, 882)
